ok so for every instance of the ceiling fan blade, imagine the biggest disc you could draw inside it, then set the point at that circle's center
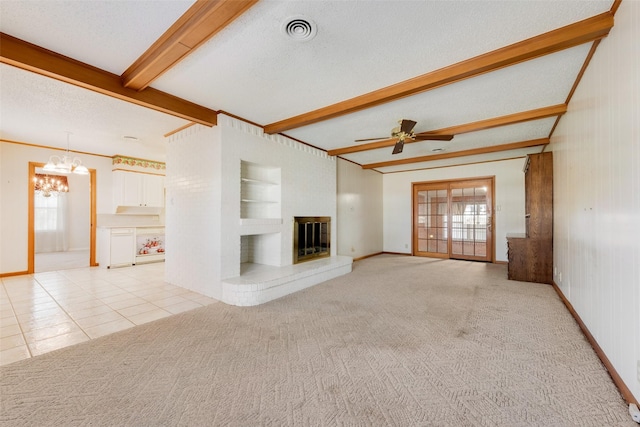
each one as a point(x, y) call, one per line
point(398, 147)
point(371, 139)
point(427, 137)
point(407, 126)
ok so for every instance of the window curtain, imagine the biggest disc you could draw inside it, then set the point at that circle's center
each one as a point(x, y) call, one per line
point(51, 223)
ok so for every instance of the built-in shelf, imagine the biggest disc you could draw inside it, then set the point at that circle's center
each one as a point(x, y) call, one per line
point(258, 181)
point(259, 191)
point(257, 201)
point(260, 221)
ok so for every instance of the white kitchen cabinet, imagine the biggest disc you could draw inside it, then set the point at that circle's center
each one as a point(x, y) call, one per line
point(138, 189)
point(116, 247)
point(153, 190)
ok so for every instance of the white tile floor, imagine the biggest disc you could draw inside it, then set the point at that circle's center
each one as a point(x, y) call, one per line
point(46, 311)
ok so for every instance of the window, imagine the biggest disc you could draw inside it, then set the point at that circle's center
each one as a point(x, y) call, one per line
point(45, 213)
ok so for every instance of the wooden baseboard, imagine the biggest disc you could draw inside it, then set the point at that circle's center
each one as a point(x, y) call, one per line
point(15, 273)
point(624, 390)
point(366, 256)
point(396, 253)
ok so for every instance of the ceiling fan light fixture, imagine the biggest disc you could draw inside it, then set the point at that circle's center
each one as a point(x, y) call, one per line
point(437, 150)
point(299, 28)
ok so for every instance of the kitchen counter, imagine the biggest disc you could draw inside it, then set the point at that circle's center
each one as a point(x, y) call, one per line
point(126, 245)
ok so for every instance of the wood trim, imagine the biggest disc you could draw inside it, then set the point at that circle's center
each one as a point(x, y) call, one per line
point(622, 387)
point(509, 119)
point(14, 273)
point(456, 165)
point(615, 6)
point(367, 256)
point(453, 180)
point(592, 51)
point(53, 148)
point(29, 57)
point(181, 128)
point(449, 185)
point(199, 23)
point(365, 147)
point(136, 171)
point(94, 219)
point(31, 239)
point(462, 153)
point(584, 31)
point(395, 253)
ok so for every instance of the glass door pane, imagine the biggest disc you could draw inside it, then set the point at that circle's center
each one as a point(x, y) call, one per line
point(431, 222)
point(453, 219)
point(470, 221)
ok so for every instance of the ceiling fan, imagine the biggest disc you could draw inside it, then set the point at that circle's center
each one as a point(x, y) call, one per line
point(405, 132)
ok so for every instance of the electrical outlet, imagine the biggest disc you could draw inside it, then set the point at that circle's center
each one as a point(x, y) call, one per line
point(406, 246)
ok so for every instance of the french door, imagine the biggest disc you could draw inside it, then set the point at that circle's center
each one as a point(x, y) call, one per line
point(453, 219)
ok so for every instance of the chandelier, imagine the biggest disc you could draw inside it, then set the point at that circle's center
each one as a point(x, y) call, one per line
point(50, 185)
point(66, 163)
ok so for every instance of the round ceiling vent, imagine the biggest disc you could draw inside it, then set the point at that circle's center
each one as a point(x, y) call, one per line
point(299, 28)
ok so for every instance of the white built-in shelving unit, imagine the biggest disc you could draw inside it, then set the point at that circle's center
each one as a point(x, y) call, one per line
point(260, 193)
point(260, 213)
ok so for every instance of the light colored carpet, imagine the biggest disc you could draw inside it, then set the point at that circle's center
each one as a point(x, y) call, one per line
point(401, 341)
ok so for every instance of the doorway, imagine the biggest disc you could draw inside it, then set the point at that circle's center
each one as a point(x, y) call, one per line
point(31, 245)
point(453, 219)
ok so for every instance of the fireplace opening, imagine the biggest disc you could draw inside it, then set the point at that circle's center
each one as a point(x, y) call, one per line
point(311, 238)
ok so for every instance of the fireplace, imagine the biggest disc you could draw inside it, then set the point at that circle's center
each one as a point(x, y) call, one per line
point(311, 238)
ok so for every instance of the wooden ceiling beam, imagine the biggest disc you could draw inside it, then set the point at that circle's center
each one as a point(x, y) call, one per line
point(198, 24)
point(510, 119)
point(584, 31)
point(30, 57)
point(463, 153)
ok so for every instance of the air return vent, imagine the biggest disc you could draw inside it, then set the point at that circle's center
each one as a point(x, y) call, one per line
point(299, 28)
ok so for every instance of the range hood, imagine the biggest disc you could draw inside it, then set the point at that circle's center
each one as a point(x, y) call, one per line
point(139, 210)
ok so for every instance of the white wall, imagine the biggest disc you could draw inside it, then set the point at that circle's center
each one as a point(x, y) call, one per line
point(308, 185)
point(509, 201)
point(79, 200)
point(596, 151)
point(359, 205)
point(14, 188)
point(203, 198)
point(192, 211)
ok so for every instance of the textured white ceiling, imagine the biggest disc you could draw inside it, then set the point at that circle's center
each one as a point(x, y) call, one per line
point(252, 70)
point(109, 35)
point(526, 131)
point(534, 84)
point(360, 46)
point(39, 110)
point(478, 158)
